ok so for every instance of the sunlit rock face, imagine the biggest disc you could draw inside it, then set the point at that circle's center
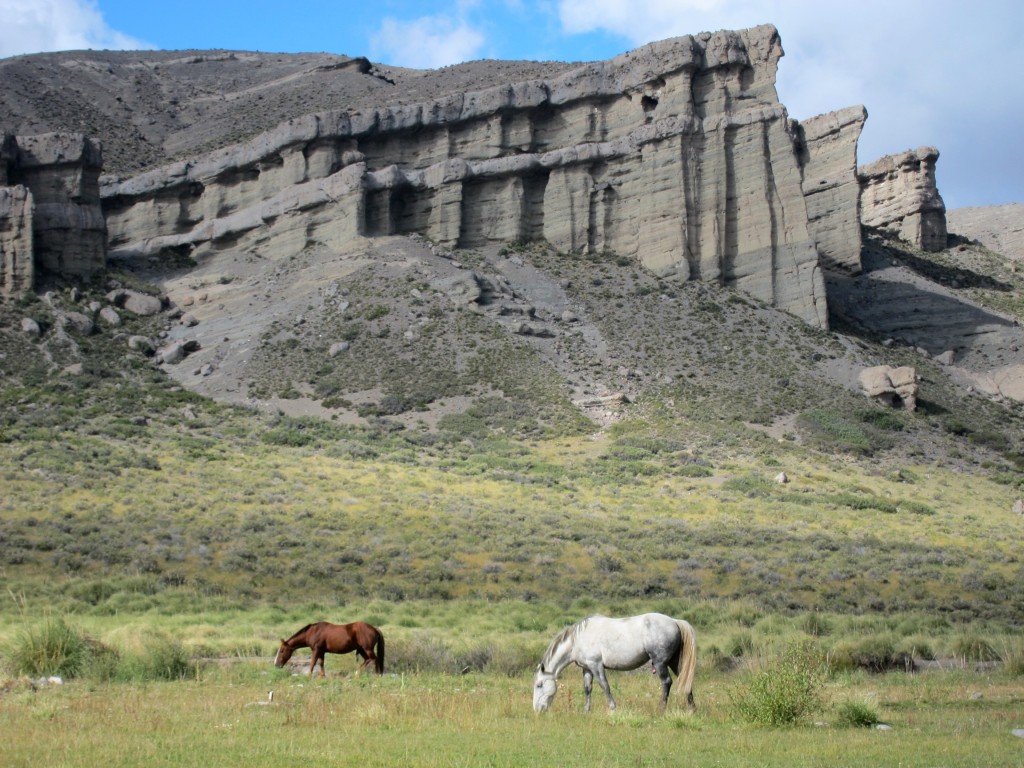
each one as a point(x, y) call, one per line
point(677, 154)
point(899, 194)
point(831, 187)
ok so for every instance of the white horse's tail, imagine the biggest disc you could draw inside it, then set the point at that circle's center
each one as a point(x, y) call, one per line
point(686, 661)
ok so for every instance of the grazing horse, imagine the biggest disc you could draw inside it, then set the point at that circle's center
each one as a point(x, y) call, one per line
point(598, 643)
point(324, 637)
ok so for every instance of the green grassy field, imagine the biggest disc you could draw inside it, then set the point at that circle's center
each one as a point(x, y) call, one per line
point(175, 540)
point(220, 717)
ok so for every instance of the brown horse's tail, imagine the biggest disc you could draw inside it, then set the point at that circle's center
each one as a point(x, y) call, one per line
point(380, 653)
point(686, 661)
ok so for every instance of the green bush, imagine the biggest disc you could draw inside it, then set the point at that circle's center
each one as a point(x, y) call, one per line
point(750, 485)
point(831, 430)
point(160, 658)
point(53, 648)
point(815, 624)
point(857, 714)
point(741, 644)
point(876, 653)
point(786, 691)
point(974, 648)
point(1013, 659)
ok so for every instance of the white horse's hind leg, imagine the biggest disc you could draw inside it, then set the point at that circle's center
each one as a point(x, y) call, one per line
point(666, 682)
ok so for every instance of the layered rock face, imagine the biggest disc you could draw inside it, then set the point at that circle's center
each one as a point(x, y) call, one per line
point(899, 194)
point(677, 154)
point(17, 264)
point(62, 171)
point(831, 188)
point(50, 214)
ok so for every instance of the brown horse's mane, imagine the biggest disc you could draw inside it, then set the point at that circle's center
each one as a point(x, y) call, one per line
point(302, 630)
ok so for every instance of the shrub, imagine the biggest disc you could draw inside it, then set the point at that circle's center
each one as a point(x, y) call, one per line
point(857, 714)
point(883, 418)
point(749, 485)
point(973, 648)
point(786, 691)
point(160, 658)
point(54, 648)
point(832, 430)
point(741, 644)
point(816, 625)
point(875, 654)
point(1013, 659)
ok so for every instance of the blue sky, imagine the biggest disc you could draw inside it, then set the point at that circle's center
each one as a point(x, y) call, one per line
point(942, 72)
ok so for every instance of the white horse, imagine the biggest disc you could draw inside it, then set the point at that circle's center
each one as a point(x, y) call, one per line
point(598, 643)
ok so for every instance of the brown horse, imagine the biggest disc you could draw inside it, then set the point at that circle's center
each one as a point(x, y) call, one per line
point(324, 637)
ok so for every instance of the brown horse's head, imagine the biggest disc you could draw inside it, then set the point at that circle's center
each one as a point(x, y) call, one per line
point(283, 654)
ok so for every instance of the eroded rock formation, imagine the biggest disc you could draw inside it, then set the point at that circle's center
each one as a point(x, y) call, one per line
point(895, 387)
point(17, 264)
point(62, 171)
point(677, 154)
point(831, 187)
point(899, 194)
point(50, 213)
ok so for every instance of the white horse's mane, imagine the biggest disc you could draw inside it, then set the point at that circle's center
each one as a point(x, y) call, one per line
point(569, 633)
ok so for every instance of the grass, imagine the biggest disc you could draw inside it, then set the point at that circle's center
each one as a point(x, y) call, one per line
point(483, 719)
point(161, 530)
point(111, 521)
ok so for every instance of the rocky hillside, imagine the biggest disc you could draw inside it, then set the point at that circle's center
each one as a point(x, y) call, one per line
point(349, 273)
point(152, 107)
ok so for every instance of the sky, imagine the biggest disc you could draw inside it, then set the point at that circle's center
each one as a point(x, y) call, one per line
point(942, 73)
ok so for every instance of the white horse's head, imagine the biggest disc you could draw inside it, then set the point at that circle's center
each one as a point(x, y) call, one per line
point(544, 687)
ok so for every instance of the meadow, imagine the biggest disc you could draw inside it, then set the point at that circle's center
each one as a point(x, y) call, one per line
point(220, 713)
point(154, 546)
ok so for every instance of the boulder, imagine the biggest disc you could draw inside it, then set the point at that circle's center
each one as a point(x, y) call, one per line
point(176, 351)
point(137, 303)
point(140, 344)
point(895, 387)
point(79, 323)
point(110, 317)
point(338, 347)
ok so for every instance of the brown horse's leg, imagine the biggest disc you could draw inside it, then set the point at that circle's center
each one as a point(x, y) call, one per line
point(366, 656)
point(318, 656)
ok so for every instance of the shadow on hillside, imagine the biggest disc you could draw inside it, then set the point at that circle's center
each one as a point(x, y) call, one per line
point(896, 298)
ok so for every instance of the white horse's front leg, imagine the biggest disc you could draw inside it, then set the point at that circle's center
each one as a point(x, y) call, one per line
point(588, 686)
point(603, 680)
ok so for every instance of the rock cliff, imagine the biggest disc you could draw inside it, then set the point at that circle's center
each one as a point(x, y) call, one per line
point(17, 261)
point(50, 214)
point(831, 187)
point(677, 154)
point(899, 194)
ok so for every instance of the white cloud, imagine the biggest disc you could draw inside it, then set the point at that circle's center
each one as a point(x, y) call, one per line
point(34, 26)
point(427, 42)
point(651, 20)
point(937, 72)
